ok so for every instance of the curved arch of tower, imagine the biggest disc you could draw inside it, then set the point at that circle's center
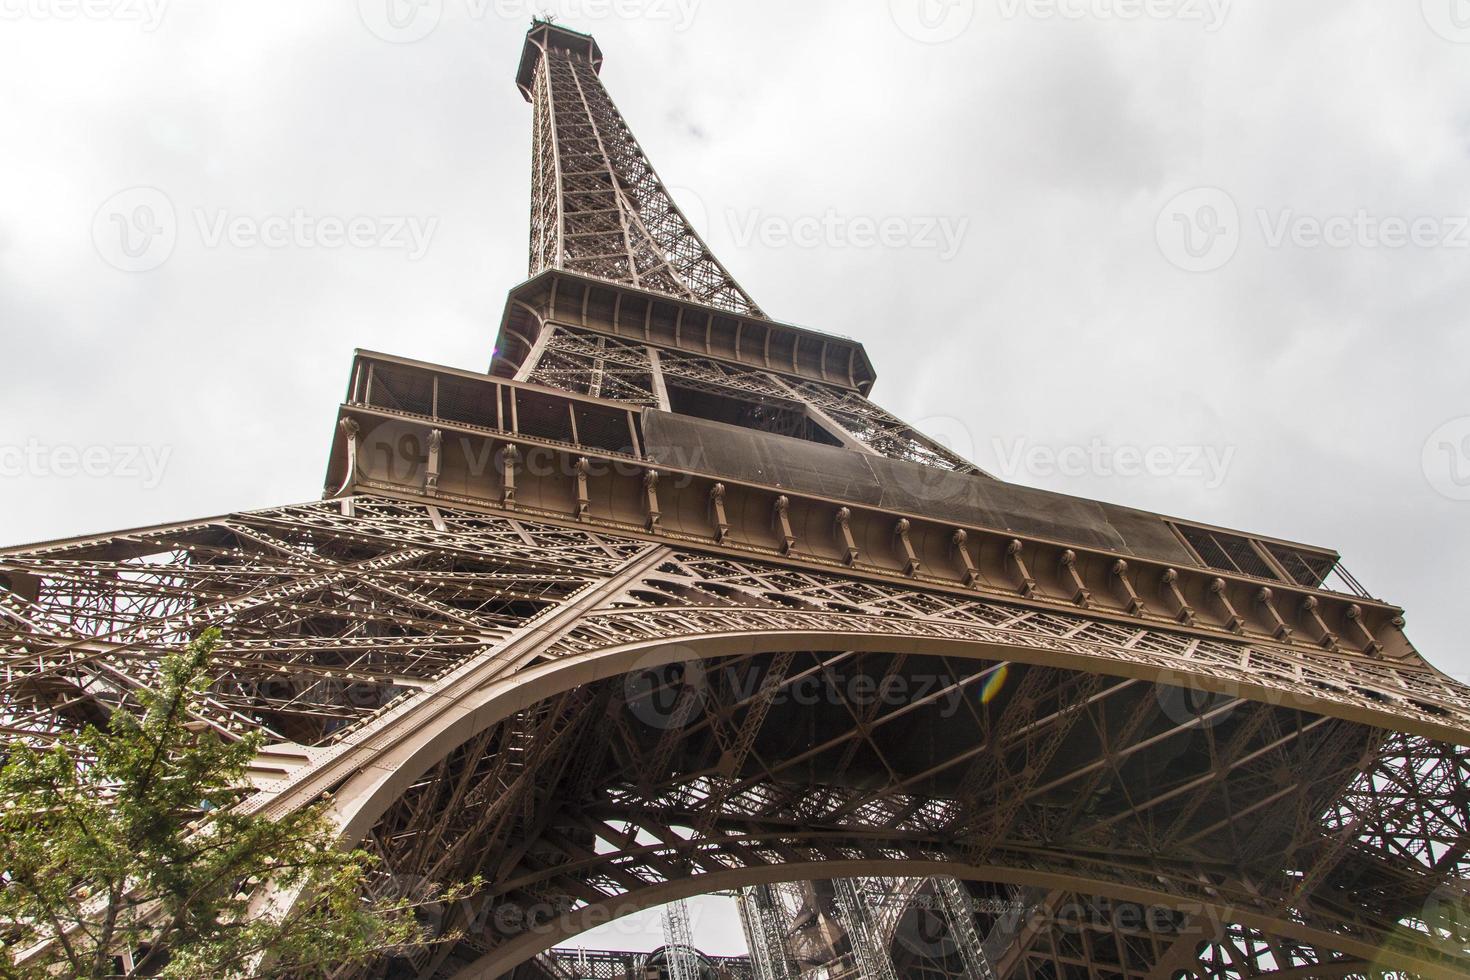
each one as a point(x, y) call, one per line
point(663, 605)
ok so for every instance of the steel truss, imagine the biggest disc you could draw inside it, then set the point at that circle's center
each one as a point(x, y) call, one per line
point(766, 933)
point(599, 716)
point(584, 362)
point(582, 964)
point(679, 943)
point(343, 620)
point(598, 207)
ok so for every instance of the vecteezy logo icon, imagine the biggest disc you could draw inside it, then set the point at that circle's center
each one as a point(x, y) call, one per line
point(1450, 19)
point(136, 230)
point(933, 21)
point(394, 451)
point(1447, 459)
point(924, 930)
point(401, 21)
point(666, 695)
point(1199, 231)
point(1185, 703)
point(1446, 915)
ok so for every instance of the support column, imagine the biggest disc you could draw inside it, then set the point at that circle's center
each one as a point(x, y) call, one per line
point(533, 359)
point(868, 945)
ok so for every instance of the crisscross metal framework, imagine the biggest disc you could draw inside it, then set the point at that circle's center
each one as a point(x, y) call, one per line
point(830, 724)
point(597, 206)
point(905, 744)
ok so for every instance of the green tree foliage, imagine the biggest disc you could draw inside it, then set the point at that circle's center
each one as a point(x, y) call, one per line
point(123, 853)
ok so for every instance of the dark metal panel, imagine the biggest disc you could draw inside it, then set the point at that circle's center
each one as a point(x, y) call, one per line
point(747, 455)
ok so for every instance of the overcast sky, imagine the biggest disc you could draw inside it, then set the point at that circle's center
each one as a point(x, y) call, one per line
point(1234, 235)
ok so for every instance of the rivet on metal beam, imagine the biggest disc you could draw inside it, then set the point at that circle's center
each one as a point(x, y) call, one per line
point(650, 489)
point(1015, 554)
point(509, 457)
point(1371, 646)
point(436, 462)
point(960, 542)
point(1082, 596)
point(1312, 609)
point(1234, 622)
point(1267, 598)
point(1136, 606)
point(584, 498)
point(1183, 611)
point(782, 519)
point(844, 534)
point(912, 564)
point(722, 521)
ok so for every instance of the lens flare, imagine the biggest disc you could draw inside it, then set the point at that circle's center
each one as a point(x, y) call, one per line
point(995, 683)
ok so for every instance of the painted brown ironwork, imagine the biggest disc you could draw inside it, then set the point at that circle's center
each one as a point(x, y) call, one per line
point(665, 606)
point(598, 207)
point(1360, 807)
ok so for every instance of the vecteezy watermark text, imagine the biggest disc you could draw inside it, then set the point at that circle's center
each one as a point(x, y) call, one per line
point(1208, 464)
point(938, 21)
point(300, 229)
point(1362, 229)
point(408, 21)
point(147, 14)
point(1201, 230)
point(399, 451)
point(137, 230)
point(1212, 14)
point(144, 464)
point(1072, 917)
point(669, 696)
point(943, 234)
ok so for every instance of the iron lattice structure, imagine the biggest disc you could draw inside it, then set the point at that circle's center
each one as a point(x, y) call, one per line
point(582, 964)
point(663, 605)
point(598, 207)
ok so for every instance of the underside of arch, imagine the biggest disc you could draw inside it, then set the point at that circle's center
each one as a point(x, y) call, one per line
point(659, 774)
point(1196, 926)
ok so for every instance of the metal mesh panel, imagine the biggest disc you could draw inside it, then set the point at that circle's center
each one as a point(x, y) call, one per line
point(782, 417)
point(1305, 569)
point(604, 429)
point(1228, 552)
point(401, 390)
point(543, 416)
point(469, 402)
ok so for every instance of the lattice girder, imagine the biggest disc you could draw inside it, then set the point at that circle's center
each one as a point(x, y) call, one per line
point(326, 619)
point(598, 207)
point(753, 832)
point(602, 694)
point(347, 624)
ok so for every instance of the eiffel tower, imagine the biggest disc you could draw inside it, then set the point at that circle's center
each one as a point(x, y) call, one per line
point(662, 605)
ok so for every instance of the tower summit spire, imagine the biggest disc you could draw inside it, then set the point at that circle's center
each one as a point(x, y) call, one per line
point(597, 206)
